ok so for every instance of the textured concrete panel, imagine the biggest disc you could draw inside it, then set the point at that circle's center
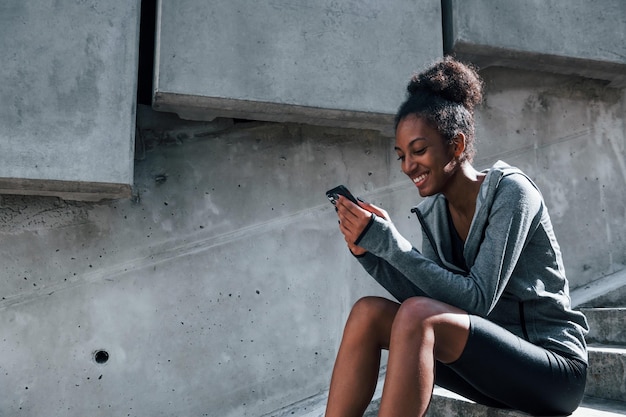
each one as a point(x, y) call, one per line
point(67, 83)
point(222, 288)
point(571, 37)
point(320, 62)
point(567, 133)
point(606, 325)
point(606, 376)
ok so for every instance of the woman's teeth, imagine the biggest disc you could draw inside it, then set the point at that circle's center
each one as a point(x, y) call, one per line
point(419, 178)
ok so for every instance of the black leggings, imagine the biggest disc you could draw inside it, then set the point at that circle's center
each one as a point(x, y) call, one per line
point(499, 369)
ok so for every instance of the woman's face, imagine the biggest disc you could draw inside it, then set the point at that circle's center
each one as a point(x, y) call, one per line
point(424, 156)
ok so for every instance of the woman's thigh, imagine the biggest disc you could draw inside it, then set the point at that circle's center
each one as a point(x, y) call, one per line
point(500, 369)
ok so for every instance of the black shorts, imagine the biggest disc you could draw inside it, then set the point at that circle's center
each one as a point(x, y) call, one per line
point(500, 369)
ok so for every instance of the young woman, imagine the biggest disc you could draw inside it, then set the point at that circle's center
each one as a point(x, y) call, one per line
point(483, 309)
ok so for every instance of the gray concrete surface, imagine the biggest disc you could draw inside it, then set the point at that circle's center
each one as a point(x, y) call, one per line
point(322, 62)
point(67, 83)
point(607, 372)
point(222, 287)
point(606, 325)
point(447, 404)
point(608, 291)
point(568, 134)
point(219, 290)
point(569, 37)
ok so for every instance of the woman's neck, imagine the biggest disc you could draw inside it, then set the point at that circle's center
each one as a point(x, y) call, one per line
point(462, 191)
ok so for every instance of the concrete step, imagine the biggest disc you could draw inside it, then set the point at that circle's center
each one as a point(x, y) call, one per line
point(606, 376)
point(606, 325)
point(605, 395)
point(448, 404)
point(607, 291)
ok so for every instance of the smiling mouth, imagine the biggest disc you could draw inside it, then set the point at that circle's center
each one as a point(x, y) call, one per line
point(419, 179)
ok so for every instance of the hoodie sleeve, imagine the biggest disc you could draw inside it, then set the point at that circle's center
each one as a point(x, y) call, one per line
point(513, 217)
point(389, 277)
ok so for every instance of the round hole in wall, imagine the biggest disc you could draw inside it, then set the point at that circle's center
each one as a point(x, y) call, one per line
point(101, 356)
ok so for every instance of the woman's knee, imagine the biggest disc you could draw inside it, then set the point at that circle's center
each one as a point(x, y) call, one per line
point(432, 320)
point(373, 309)
point(419, 308)
point(424, 311)
point(373, 316)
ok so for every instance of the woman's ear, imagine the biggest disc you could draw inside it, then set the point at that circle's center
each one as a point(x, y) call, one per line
point(458, 144)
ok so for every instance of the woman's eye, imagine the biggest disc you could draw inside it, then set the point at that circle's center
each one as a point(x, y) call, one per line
point(400, 157)
point(419, 151)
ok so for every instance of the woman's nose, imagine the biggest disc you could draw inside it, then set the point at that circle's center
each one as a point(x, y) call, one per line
point(407, 166)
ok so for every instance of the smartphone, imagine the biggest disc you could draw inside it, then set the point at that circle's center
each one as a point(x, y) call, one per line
point(333, 194)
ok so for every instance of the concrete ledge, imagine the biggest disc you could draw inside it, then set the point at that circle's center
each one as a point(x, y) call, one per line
point(491, 56)
point(566, 38)
point(323, 63)
point(607, 291)
point(67, 190)
point(192, 107)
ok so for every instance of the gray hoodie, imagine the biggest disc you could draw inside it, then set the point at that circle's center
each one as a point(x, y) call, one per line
point(515, 275)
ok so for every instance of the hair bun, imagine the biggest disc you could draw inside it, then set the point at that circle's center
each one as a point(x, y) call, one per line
point(451, 80)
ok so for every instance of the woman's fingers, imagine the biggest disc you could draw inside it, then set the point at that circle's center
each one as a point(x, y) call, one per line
point(352, 219)
point(374, 209)
point(348, 211)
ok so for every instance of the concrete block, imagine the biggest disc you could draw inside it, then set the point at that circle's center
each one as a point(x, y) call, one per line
point(606, 325)
point(569, 37)
point(445, 403)
point(68, 85)
point(606, 375)
point(322, 62)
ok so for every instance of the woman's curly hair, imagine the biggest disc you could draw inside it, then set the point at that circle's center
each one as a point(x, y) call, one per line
point(445, 96)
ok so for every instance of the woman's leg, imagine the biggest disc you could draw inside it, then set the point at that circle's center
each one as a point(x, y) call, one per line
point(499, 368)
point(484, 361)
point(416, 333)
point(355, 374)
point(424, 331)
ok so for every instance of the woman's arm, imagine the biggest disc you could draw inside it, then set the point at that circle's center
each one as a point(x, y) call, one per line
point(514, 216)
point(354, 221)
point(398, 285)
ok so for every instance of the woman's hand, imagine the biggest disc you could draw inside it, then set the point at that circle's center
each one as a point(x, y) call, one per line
point(353, 219)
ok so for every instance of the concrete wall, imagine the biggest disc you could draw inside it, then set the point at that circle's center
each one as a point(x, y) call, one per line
point(67, 85)
point(222, 287)
point(219, 290)
point(568, 134)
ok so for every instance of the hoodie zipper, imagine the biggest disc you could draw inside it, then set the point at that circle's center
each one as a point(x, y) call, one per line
point(427, 233)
